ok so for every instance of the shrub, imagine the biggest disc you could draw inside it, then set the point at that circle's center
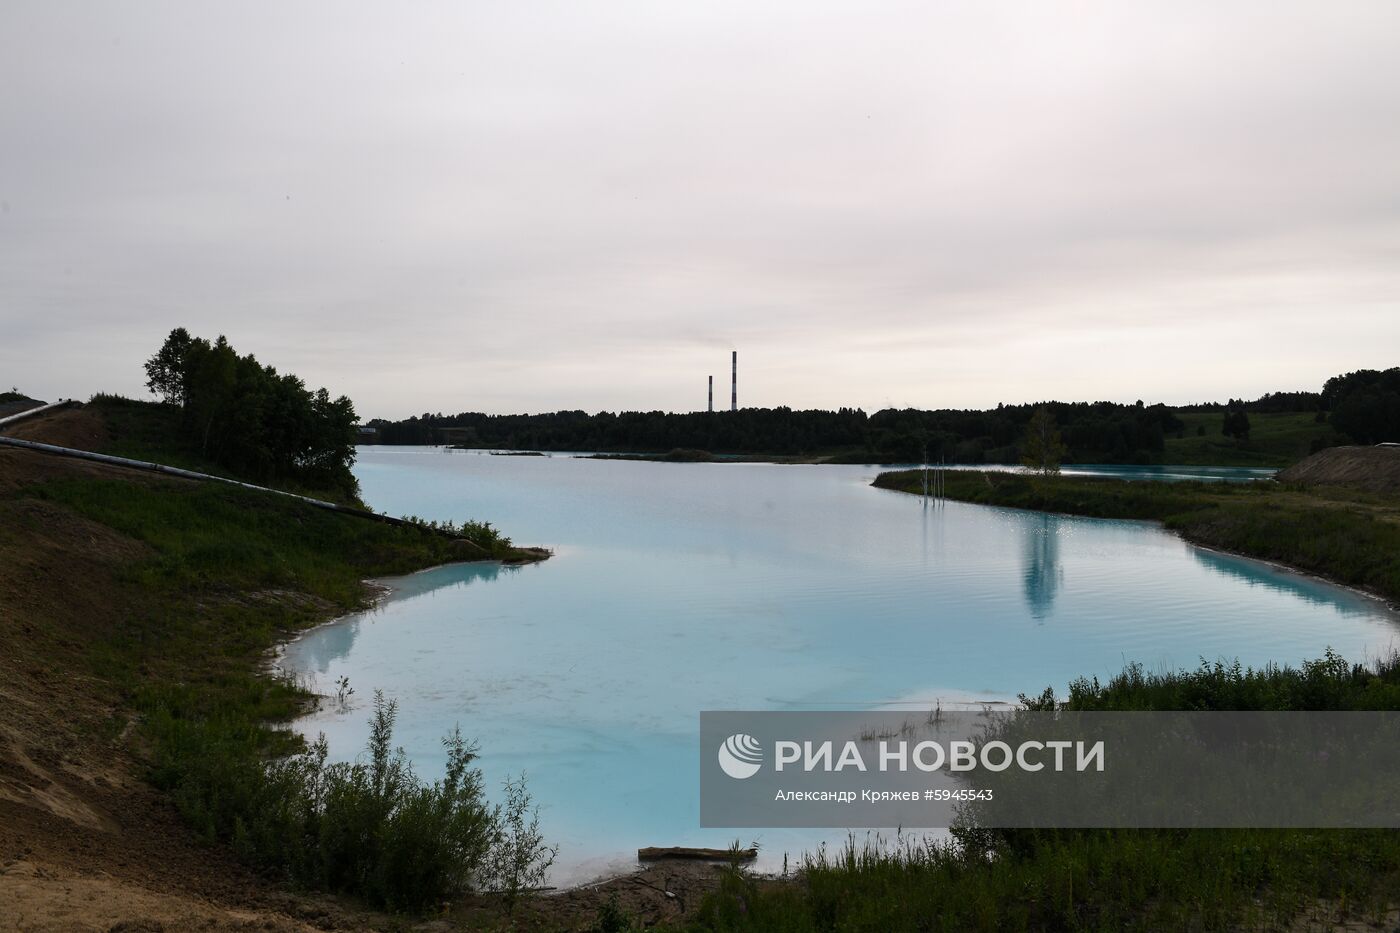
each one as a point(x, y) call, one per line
point(369, 828)
point(482, 534)
point(519, 859)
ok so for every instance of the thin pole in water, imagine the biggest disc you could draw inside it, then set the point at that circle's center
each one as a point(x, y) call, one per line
point(925, 474)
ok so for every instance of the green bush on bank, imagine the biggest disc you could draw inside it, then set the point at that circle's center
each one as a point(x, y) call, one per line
point(482, 534)
point(370, 828)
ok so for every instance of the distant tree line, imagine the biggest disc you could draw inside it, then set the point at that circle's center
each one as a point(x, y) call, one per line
point(251, 419)
point(1102, 431)
point(767, 430)
point(1268, 403)
point(1364, 405)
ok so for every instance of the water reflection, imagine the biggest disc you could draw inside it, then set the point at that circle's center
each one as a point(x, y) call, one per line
point(450, 575)
point(1041, 569)
point(315, 652)
point(1258, 573)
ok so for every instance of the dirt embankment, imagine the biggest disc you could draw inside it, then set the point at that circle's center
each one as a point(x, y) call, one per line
point(1375, 469)
point(85, 842)
point(68, 427)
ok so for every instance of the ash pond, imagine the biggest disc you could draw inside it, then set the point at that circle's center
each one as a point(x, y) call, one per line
point(677, 588)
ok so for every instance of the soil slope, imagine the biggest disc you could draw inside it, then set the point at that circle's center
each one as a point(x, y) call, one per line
point(85, 842)
point(1375, 469)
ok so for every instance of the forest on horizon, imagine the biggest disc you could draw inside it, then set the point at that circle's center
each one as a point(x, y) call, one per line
point(1359, 407)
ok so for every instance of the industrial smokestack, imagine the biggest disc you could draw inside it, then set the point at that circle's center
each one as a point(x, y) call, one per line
point(734, 380)
point(712, 393)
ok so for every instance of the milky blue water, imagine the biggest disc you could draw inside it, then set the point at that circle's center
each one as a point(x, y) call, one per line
point(1164, 472)
point(681, 587)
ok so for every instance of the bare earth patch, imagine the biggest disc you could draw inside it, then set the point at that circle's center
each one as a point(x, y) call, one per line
point(1375, 469)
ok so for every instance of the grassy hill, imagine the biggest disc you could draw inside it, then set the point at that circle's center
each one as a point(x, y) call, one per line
point(1275, 440)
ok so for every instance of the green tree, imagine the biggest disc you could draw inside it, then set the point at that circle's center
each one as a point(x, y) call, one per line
point(1365, 405)
point(1043, 448)
point(1236, 421)
point(165, 372)
point(251, 419)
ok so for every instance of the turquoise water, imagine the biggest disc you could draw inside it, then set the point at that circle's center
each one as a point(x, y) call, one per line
point(1162, 472)
point(681, 587)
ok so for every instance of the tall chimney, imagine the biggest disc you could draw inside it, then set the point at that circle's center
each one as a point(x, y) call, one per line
point(712, 393)
point(734, 380)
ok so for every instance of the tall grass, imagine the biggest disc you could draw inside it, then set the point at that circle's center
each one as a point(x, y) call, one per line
point(1326, 683)
point(1103, 879)
point(371, 827)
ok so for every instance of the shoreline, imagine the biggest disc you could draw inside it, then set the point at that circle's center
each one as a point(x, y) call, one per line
point(1168, 523)
point(1390, 605)
point(1362, 591)
point(382, 590)
point(830, 458)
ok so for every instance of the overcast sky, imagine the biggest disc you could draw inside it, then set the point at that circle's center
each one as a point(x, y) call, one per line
point(528, 206)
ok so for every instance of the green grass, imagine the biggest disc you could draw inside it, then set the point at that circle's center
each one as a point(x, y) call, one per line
point(1347, 536)
point(1103, 880)
point(1092, 496)
point(1275, 440)
point(237, 540)
point(226, 573)
point(149, 431)
point(152, 432)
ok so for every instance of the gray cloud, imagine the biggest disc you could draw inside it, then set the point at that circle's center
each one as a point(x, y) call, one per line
point(512, 206)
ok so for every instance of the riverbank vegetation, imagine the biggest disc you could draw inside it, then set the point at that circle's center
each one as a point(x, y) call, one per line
point(227, 573)
point(1106, 879)
point(1271, 431)
point(194, 583)
point(1346, 535)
